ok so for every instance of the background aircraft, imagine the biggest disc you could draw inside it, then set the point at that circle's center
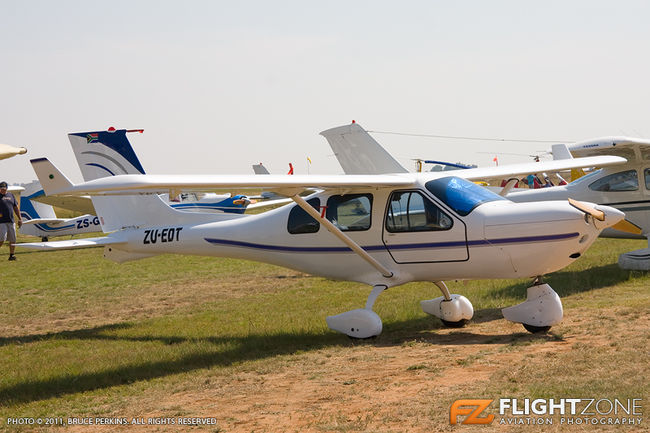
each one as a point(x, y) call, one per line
point(108, 153)
point(40, 219)
point(384, 230)
point(624, 186)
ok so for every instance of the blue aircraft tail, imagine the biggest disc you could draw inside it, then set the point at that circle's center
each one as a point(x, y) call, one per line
point(105, 153)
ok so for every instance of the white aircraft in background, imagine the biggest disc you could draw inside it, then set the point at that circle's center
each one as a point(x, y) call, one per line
point(7, 151)
point(625, 186)
point(381, 230)
point(40, 219)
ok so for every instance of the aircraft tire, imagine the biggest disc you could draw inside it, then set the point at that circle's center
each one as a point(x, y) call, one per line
point(457, 324)
point(536, 329)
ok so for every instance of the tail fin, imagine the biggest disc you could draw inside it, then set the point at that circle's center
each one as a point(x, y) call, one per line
point(30, 209)
point(50, 177)
point(359, 153)
point(105, 153)
point(260, 169)
point(109, 153)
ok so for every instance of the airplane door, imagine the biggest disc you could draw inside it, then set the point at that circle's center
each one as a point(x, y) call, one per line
point(417, 230)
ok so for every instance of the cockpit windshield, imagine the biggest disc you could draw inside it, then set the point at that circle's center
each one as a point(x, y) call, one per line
point(461, 195)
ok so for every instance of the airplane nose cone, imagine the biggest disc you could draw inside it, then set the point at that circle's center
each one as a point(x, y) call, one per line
point(612, 216)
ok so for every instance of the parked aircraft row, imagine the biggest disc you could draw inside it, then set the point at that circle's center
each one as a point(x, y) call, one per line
point(383, 230)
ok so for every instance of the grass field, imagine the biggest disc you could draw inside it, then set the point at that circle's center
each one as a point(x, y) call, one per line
point(247, 344)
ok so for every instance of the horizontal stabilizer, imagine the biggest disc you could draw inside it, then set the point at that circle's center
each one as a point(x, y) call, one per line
point(71, 244)
point(81, 204)
point(51, 221)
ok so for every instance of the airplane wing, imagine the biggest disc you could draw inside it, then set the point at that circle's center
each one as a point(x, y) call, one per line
point(81, 204)
point(71, 244)
point(7, 151)
point(513, 170)
point(632, 149)
point(55, 182)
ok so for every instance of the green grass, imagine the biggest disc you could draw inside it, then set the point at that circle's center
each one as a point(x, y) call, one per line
point(82, 335)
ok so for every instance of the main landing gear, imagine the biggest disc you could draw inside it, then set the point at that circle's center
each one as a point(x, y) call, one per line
point(541, 309)
point(359, 323)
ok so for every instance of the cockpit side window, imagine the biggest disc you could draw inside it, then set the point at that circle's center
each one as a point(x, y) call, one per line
point(300, 221)
point(646, 174)
point(410, 211)
point(350, 212)
point(622, 181)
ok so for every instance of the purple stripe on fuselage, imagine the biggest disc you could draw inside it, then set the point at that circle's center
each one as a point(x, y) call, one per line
point(482, 242)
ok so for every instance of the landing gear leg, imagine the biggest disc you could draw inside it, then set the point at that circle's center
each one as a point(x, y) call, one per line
point(541, 309)
point(359, 323)
point(454, 310)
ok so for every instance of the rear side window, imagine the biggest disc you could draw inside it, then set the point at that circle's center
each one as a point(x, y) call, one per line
point(300, 221)
point(623, 181)
point(410, 211)
point(350, 212)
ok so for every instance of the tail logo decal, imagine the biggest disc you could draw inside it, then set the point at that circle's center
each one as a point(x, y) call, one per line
point(90, 138)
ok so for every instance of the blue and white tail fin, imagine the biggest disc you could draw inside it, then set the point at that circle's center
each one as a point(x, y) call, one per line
point(109, 153)
point(105, 153)
point(359, 153)
point(31, 209)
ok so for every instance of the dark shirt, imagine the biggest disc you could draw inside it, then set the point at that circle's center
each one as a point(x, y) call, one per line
point(7, 203)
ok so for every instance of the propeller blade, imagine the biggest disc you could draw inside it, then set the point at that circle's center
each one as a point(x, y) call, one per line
point(628, 227)
point(588, 209)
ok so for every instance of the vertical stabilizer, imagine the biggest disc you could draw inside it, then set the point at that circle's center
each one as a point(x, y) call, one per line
point(109, 153)
point(31, 209)
point(104, 153)
point(359, 153)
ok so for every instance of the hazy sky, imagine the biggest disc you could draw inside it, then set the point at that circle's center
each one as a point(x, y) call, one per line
point(220, 85)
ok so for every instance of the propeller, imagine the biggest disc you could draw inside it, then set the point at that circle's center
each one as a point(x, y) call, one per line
point(623, 225)
point(588, 209)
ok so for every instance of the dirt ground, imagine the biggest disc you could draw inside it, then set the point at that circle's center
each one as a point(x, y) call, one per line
point(405, 387)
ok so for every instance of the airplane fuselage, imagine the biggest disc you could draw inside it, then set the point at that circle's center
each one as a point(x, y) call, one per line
point(497, 239)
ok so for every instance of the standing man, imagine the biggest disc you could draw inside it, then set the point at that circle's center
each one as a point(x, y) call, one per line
point(8, 206)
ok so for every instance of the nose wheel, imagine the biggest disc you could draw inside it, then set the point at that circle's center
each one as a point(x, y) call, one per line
point(541, 309)
point(453, 310)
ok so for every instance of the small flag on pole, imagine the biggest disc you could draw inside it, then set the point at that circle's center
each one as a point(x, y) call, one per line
point(496, 160)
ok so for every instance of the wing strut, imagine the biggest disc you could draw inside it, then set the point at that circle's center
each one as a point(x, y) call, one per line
point(342, 236)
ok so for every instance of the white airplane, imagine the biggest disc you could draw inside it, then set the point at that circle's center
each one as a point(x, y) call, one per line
point(40, 219)
point(381, 230)
point(625, 186)
point(7, 151)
